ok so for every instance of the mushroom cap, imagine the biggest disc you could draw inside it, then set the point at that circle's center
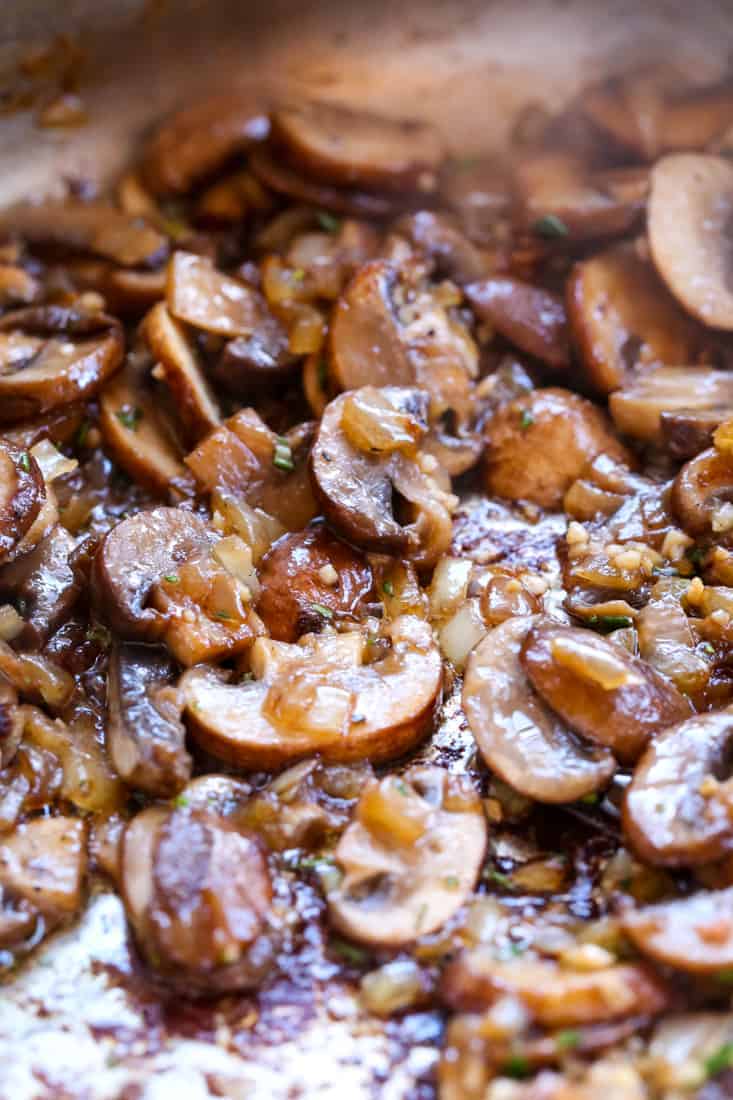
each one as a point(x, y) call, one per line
point(319, 696)
point(396, 888)
point(22, 496)
point(693, 934)
point(701, 486)
point(689, 223)
point(519, 737)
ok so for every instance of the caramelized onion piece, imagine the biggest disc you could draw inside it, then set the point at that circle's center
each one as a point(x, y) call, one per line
point(693, 934)
point(145, 737)
point(531, 318)
point(50, 356)
point(690, 209)
point(183, 373)
point(133, 557)
point(320, 696)
point(637, 410)
point(518, 736)
point(621, 317)
point(540, 443)
point(383, 500)
point(305, 572)
point(410, 858)
point(676, 812)
point(356, 149)
point(600, 690)
point(702, 486)
point(94, 227)
point(200, 138)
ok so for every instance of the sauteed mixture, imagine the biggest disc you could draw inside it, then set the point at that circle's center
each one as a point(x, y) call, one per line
point(366, 528)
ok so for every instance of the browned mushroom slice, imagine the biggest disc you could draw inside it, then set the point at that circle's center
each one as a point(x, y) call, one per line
point(437, 237)
point(356, 149)
point(366, 340)
point(207, 299)
point(540, 443)
point(621, 316)
point(250, 364)
point(198, 896)
point(478, 190)
point(553, 996)
point(284, 180)
point(638, 408)
point(693, 934)
point(50, 356)
point(320, 696)
point(677, 809)
point(43, 586)
point(182, 372)
point(702, 492)
point(531, 318)
point(136, 431)
point(306, 572)
point(22, 495)
point(133, 557)
point(410, 858)
point(686, 432)
point(600, 690)
point(201, 138)
point(375, 494)
point(690, 208)
point(518, 736)
point(11, 722)
point(145, 736)
point(44, 862)
point(94, 227)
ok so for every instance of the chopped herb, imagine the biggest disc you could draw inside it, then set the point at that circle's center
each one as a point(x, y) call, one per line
point(307, 863)
point(451, 882)
point(25, 461)
point(356, 719)
point(283, 456)
point(492, 875)
point(326, 612)
point(402, 787)
point(355, 956)
point(223, 615)
point(172, 578)
point(180, 801)
point(322, 374)
point(708, 647)
point(297, 274)
point(567, 1040)
point(725, 977)
point(129, 417)
point(81, 435)
point(590, 799)
point(606, 623)
point(516, 1065)
point(550, 226)
point(388, 588)
point(695, 554)
point(722, 1059)
point(100, 635)
point(328, 222)
point(526, 420)
point(420, 918)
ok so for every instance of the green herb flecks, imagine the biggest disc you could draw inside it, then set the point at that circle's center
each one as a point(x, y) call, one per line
point(129, 417)
point(720, 1060)
point(606, 623)
point(349, 952)
point(388, 588)
point(324, 612)
point(282, 456)
point(328, 222)
point(25, 462)
point(526, 420)
point(550, 227)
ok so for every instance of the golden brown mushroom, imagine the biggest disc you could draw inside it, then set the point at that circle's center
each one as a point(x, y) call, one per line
point(43, 862)
point(529, 317)
point(284, 180)
point(693, 934)
point(639, 409)
point(182, 371)
point(702, 488)
point(22, 497)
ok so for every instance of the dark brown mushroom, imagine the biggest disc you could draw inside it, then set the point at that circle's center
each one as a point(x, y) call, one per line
point(693, 934)
point(305, 572)
point(438, 238)
point(541, 442)
point(145, 736)
point(530, 317)
point(43, 586)
point(686, 432)
point(352, 148)
point(677, 809)
point(52, 356)
point(252, 364)
point(94, 227)
point(378, 497)
point(22, 496)
point(639, 408)
point(703, 486)
point(622, 316)
point(133, 557)
point(183, 373)
point(518, 736)
point(198, 140)
point(198, 895)
point(600, 690)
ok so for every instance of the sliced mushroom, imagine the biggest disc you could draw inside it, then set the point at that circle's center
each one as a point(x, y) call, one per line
point(621, 317)
point(43, 586)
point(355, 149)
point(686, 432)
point(145, 736)
point(304, 573)
point(199, 139)
point(136, 554)
point(250, 364)
point(518, 736)
point(530, 317)
point(94, 227)
point(136, 430)
point(50, 356)
point(540, 443)
point(377, 496)
point(410, 858)
point(22, 495)
point(554, 996)
point(703, 486)
point(198, 896)
point(44, 862)
point(439, 240)
point(600, 690)
point(693, 934)
point(320, 696)
point(201, 296)
point(688, 223)
point(11, 722)
point(676, 812)
point(183, 373)
point(639, 408)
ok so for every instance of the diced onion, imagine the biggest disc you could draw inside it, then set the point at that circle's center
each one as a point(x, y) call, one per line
point(462, 632)
point(53, 464)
